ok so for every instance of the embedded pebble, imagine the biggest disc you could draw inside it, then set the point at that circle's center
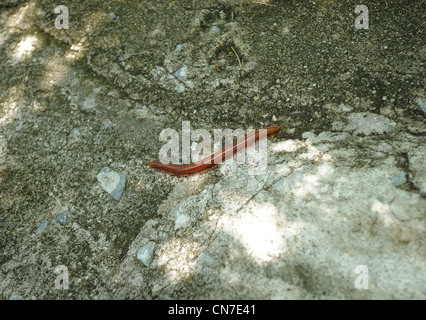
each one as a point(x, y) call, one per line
point(344, 108)
point(189, 84)
point(19, 126)
point(177, 81)
point(422, 189)
point(399, 179)
point(74, 135)
point(62, 218)
point(214, 29)
point(421, 104)
point(278, 183)
point(146, 253)
point(112, 182)
point(180, 87)
point(42, 227)
point(182, 73)
point(15, 296)
point(106, 125)
point(160, 69)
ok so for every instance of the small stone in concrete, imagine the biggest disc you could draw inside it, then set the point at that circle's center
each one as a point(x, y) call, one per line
point(180, 88)
point(399, 179)
point(146, 253)
point(182, 73)
point(421, 104)
point(74, 135)
point(62, 218)
point(19, 126)
point(189, 84)
point(214, 29)
point(42, 227)
point(278, 183)
point(106, 125)
point(422, 189)
point(15, 296)
point(112, 182)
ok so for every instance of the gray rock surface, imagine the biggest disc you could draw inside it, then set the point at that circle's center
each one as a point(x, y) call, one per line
point(112, 182)
point(257, 236)
point(338, 214)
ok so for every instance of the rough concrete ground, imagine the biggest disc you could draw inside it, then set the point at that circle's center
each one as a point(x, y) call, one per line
point(346, 199)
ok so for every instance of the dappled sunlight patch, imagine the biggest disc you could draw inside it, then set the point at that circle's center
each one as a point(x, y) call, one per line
point(282, 170)
point(265, 2)
point(327, 157)
point(3, 152)
point(24, 48)
point(325, 170)
point(37, 106)
point(26, 45)
point(384, 214)
point(381, 209)
point(312, 154)
point(8, 111)
point(286, 146)
point(308, 186)
point(23, 16)
point(311, 183)
point(72, 56)
point(402, 229)
point(178, 259)
point(15, 19)
point(261, 230)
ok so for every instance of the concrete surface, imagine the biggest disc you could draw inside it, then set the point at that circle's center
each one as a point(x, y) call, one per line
point(339, 214)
